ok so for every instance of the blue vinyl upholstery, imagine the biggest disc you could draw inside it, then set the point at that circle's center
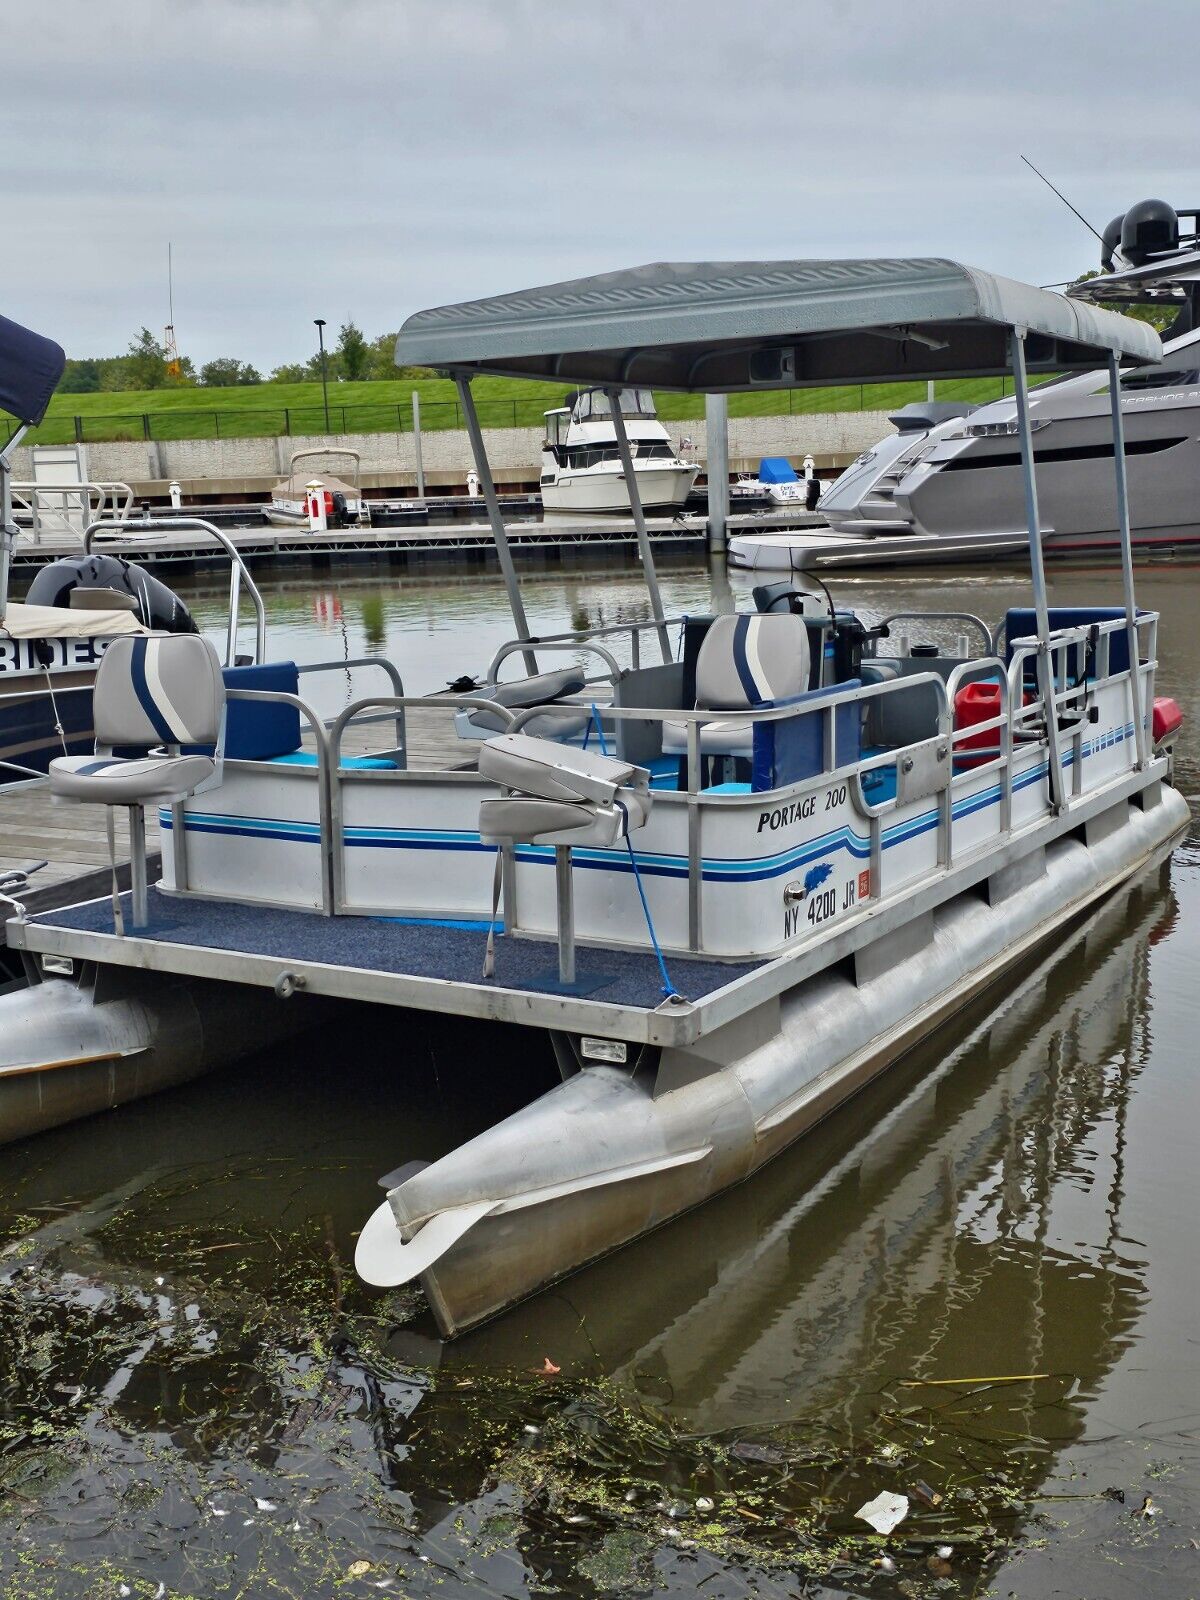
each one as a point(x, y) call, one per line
point(794, 748)
point(257, 732)
point(1021, 623)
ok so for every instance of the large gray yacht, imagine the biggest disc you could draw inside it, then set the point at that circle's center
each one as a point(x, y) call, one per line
point(958, 477)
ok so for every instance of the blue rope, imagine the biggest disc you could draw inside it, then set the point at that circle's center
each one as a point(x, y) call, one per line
point(599, 731)
point(668, 988)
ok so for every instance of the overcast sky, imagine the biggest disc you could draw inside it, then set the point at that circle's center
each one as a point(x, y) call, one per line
point(368, 158)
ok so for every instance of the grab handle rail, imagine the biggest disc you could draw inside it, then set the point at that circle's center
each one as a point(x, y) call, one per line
point(516, 646)
point(384, 666)
point(985, 633)
point(273, 697)
point(238, 572)
point(337, 827)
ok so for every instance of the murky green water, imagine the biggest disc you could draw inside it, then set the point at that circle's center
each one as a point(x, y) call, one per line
point(979, 1277)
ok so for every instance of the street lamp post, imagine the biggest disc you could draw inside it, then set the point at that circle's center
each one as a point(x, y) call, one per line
point(320, 322)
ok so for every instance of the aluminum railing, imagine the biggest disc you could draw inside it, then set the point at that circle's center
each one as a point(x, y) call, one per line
point(69, 507)
point(239, 573)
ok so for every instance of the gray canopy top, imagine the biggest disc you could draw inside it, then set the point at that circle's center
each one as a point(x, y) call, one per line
point(722, 326)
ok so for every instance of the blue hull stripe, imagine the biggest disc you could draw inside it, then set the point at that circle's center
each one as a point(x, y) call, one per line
point(716, 869)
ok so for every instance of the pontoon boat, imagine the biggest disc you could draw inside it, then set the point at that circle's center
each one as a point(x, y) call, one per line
point(50, 645)
point(308, 499)
point(790, 847)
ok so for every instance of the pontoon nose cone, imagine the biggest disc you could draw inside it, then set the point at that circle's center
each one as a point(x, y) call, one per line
point(381, 1256)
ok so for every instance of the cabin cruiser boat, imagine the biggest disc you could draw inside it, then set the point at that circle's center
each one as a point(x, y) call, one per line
point(581, 461)
point(319, 500)
point(52, 642)
point(952, 492)
point(793, 845)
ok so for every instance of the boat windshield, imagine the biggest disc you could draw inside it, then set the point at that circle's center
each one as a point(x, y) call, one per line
point(594, 403)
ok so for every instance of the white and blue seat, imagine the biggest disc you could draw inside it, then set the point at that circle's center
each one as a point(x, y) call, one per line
point(747, 661)
point(160, 701)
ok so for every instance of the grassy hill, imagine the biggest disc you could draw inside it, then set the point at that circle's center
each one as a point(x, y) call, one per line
point(383, 407)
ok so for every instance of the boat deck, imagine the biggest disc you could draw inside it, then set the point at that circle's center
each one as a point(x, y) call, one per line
point(261, 942)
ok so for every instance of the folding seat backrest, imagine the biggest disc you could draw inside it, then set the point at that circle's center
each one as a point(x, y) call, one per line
point(158, 690)
point(751, 659)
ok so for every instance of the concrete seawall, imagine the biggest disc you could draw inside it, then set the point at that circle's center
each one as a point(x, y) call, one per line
point(237, 468)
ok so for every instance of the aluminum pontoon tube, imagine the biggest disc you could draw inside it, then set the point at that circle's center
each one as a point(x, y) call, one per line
point(495, 517)
point(639, 522)
point(1135, 677)
point(66, 1053)
point(1037, 566)
point(611, 1153)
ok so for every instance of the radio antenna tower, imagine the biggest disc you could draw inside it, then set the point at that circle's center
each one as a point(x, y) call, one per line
point(170, 348)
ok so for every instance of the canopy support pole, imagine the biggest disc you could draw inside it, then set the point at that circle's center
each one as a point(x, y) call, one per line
point(716, 466)
point(495, 518)
point(639, 522)
point(1135, 676)
point(8, 528)
point(1045, 659)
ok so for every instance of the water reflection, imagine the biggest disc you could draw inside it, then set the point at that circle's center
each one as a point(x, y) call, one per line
point(184, 1335)
point(195, 1390)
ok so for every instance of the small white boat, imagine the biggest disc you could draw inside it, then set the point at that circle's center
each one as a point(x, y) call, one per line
point(581, 461)
point(778, 484)
point(319, 500)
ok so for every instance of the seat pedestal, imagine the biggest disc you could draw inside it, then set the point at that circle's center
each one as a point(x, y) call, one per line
point(566, 979)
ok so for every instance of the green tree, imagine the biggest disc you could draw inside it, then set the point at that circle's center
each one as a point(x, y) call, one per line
point(146, 363)
point(291, 372)
point(227, 372)
point(354, 352)
point(80, 376)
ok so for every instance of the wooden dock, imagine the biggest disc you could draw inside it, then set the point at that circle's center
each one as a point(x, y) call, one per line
point(263, 543)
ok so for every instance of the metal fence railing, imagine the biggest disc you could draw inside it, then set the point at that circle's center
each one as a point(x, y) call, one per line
point(199, 421)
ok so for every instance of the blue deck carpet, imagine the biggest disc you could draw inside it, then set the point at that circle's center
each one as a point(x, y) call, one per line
point(424, 950)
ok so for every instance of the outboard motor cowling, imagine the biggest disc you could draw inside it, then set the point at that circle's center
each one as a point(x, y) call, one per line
point(155, 606)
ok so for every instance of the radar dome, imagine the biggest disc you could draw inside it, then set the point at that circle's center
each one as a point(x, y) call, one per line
point(1150, 228)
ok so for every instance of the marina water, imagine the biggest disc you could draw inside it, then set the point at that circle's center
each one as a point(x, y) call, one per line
point(974, 1285)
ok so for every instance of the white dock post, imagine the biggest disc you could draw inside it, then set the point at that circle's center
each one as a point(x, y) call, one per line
point(716, 421)
point(176, 492)
point(314, 494)
point(416, 410)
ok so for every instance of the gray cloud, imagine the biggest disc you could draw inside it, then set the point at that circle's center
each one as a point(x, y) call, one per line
point(369, 157)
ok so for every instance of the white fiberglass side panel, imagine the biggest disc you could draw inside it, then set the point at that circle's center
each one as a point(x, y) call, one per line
point(412, 846)
point(255, 838)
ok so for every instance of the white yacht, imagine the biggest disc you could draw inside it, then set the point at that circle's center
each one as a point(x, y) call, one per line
point(581, 462)
point(953, 486)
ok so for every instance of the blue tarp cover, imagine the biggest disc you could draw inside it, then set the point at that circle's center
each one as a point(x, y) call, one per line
point(774, 469)
point(30, 367)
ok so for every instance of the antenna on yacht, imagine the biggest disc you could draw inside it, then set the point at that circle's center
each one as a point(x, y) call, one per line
point(1063, 198)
